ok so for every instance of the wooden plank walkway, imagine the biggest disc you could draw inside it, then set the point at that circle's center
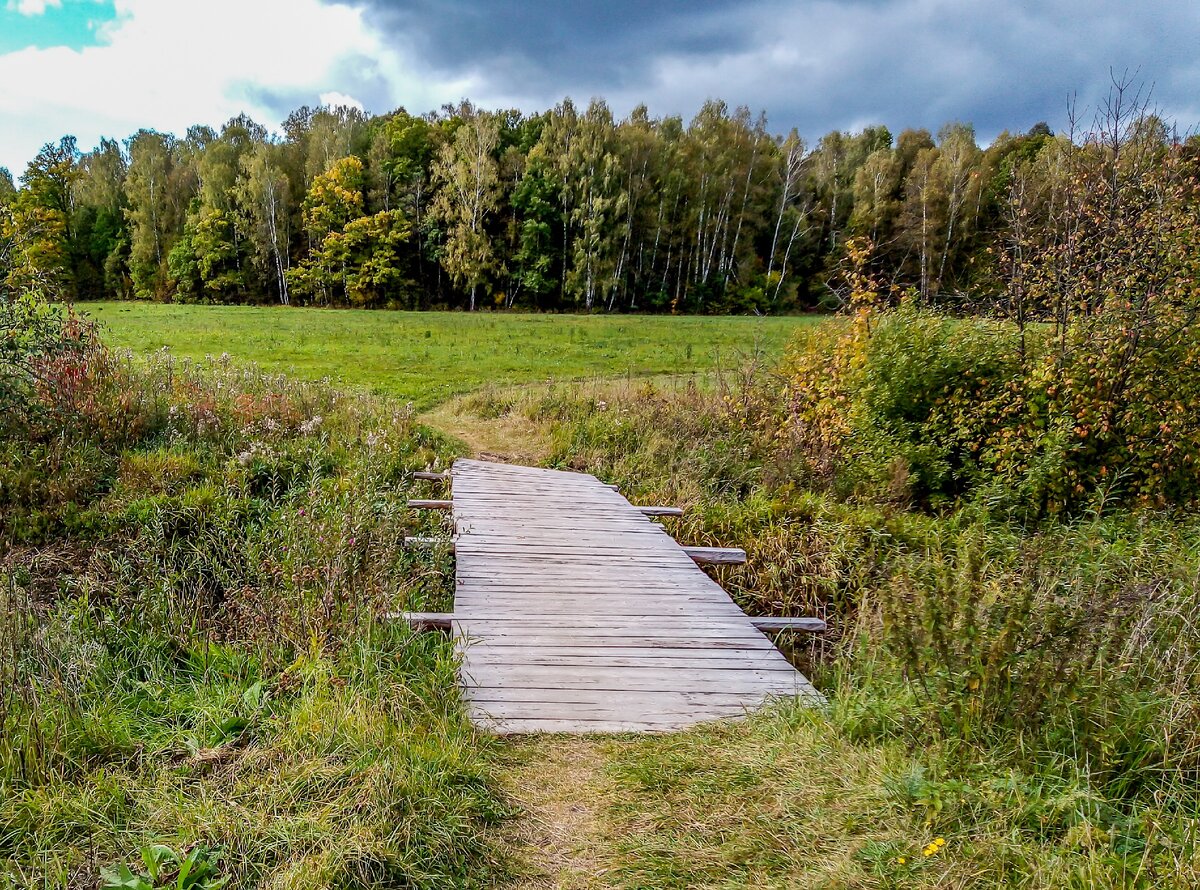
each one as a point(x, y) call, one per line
point(573, 612)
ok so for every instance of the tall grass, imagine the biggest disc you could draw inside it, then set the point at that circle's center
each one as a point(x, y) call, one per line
point(1048, 675)
point(198, 559)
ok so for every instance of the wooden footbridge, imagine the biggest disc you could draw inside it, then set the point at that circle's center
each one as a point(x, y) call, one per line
point(574, 612)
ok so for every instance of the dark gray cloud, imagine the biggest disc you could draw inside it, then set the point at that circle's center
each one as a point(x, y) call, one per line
point(522, 45)
point(812, 64)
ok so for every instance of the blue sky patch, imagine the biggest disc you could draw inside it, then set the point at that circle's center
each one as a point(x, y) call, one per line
point(75, 25)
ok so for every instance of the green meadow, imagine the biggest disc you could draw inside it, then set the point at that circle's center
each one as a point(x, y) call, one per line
point(428, 357)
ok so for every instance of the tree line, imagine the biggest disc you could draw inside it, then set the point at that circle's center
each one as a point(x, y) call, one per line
point(568, 209)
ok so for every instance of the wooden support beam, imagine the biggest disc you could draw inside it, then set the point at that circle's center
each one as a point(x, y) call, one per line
point(419, 504)
point(432, 477)
point(716, 556)
point(441, 621)
point(422, 621)
point(771, 625)
point(660, 511)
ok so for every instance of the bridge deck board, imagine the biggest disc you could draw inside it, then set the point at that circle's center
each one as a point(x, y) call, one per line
point(574, 612)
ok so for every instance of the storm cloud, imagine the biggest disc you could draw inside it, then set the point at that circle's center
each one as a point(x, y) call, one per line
point(812, 64)
point(815, 65)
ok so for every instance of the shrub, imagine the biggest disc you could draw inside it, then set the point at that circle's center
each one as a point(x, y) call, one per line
point(929, 409)
point(39, 342)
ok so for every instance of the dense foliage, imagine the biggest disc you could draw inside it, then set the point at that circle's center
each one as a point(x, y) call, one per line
point(199, 686)
point(1028, 692)
point(1081, 394)
point(565, 209)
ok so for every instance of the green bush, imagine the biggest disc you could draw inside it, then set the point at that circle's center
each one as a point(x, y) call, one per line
point(38, 342)
point(915, 407)
point(927, 392)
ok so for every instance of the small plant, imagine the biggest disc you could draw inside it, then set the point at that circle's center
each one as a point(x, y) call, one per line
point(164, 868)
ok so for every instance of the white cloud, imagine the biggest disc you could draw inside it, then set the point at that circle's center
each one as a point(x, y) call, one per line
point(334, 99)
point(31, 7)
point(168, 64)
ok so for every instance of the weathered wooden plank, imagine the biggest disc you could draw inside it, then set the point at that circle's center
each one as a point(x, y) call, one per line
point(536, 548)
point(638, 699)
point(431, 477)
point(423, 621)
point(681, 568)
point(570, 725)
point(615, 709)
point(631, 679)
point(716, 556)
point(606, 636)
point(500, 648)
point(660, 511)
point(648, 605)
point(550, 583)
point(645, 625)
point(811, 625)
point(736, 661)
point(600, 607)
point(624, 639)
point(424, 504)
point(553, 581)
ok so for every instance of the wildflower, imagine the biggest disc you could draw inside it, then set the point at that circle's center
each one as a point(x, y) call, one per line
point(901, 860)
point(933, 847)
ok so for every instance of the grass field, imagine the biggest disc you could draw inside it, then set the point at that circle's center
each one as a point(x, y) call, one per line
point(427, 357)
point(196, 647)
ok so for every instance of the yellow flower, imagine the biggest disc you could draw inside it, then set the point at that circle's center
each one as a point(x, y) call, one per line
point(940, 842)
point(901, 860)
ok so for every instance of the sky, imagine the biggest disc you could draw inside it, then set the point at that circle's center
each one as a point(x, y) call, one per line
point(94, 68)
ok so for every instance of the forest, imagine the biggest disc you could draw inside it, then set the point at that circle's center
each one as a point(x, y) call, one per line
point(566, 210)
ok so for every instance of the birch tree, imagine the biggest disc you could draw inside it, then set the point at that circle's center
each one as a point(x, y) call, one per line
point(958, 160)
point(599, 202)
point(264, 193)
point(792, 215)
point(153, 213)
point(467, 179)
